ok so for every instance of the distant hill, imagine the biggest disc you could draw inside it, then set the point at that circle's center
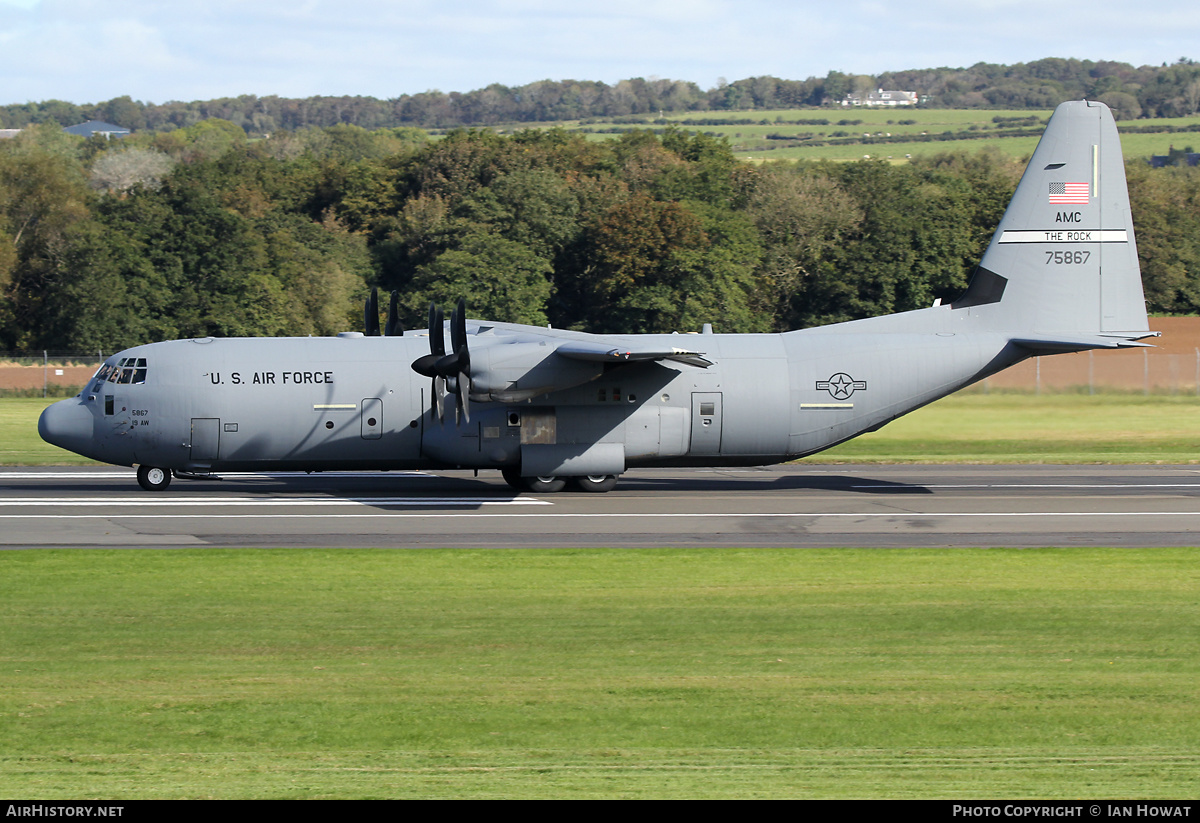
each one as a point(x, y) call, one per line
point(1147, 91)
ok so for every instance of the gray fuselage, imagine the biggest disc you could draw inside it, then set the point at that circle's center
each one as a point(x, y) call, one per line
point(352, 402)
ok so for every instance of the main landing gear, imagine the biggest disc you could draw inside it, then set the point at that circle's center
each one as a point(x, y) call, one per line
point(153, 479)
point(597, 483)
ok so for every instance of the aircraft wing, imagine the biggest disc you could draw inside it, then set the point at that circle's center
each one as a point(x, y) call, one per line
point(512, 363)
point(600, 352)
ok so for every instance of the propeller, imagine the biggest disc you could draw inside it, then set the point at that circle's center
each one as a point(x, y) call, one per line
point(426, 364)
point(458, 362)
point(371, 314)
point(450, 371)
point(393, 328)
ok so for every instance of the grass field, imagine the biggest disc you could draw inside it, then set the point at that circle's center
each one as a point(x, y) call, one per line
point(1016, 147)
point(19, 441)
point(591, 673)
point(976, 127)
point(675, 673)
point(1025, 428)
point(1134, 146)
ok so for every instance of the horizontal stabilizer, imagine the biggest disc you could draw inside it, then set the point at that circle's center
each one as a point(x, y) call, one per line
point(1063, 343)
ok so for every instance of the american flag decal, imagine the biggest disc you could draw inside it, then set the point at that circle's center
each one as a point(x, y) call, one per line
point(1069, 193)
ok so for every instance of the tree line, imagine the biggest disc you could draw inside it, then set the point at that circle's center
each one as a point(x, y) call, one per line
point(200, 231)
point(1145, 91)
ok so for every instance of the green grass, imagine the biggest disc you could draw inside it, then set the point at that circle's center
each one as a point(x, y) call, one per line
point(1017, 147)
point(19, 441)
point(1133, 146)
point(1025, 428)
point(750, 140)
point(673, 673)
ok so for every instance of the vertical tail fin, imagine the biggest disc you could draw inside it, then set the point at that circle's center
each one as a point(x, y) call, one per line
point(1064, 260)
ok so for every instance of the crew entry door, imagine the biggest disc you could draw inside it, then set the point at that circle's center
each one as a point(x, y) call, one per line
point(206, 438)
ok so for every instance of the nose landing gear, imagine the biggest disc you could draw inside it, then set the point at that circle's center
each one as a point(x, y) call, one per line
point(153, 479)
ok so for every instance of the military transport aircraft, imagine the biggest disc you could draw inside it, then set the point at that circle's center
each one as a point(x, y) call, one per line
point(549, 407)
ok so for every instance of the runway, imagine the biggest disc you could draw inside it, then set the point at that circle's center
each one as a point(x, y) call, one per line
point(799, 505)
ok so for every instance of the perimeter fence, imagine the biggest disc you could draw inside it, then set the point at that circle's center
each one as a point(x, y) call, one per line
point(1130, 371)
point(47, 373)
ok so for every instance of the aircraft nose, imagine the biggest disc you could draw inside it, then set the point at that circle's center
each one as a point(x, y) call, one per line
point(68, 425)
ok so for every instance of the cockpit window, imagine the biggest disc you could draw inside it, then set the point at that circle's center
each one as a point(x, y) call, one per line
point(128, 370)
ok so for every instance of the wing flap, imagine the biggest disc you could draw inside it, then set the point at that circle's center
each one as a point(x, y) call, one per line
point(598, 353)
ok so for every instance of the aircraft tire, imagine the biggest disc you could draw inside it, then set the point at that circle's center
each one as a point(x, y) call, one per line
point(595, 483)
point(544, 485)
point(512, 476)
point(153, 479)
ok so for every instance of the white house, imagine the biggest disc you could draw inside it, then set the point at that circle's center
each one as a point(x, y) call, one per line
point(882, 98)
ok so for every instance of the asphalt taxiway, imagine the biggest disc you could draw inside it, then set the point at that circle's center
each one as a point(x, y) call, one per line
point(799, 505)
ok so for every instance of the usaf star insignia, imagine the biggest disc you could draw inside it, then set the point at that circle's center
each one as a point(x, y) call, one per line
point(841, 385)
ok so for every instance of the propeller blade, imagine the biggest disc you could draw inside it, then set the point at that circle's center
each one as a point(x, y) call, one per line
point(464, 365)
point(437, 334)
point(439, 398)
point(371, 314)
point(463, 396)
point(393, 327)
point(459, 362)
point(458, 326)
